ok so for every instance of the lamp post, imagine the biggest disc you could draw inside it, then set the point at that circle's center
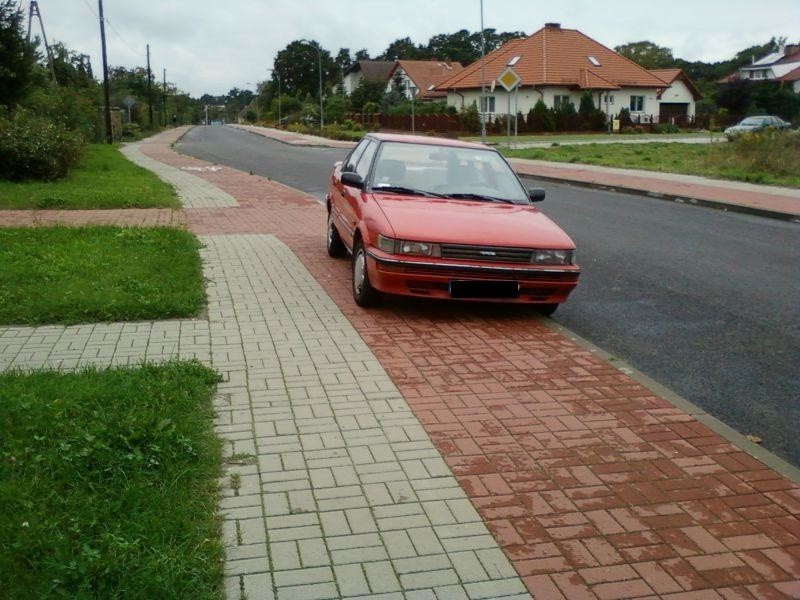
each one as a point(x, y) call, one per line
point(278, 75)
point(319, 56)
point(412, 91)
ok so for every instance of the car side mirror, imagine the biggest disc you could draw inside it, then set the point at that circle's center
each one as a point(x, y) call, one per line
point(536, 194)
point(353, 180)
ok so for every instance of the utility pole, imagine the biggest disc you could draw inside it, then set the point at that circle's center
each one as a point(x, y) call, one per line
point(149, 87)
point(106, 94)
point(483, 80)
point(164, 94)
point(34, 11)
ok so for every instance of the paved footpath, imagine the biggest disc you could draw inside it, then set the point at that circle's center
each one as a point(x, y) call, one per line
point(388, 442)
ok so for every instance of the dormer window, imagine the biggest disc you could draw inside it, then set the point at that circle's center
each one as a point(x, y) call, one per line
point(593, 60)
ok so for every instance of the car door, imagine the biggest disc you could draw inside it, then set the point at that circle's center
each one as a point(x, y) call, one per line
point(338, 190)
point(354, 198)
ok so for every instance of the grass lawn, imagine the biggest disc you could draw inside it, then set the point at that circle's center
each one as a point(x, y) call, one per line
point(585, 137)
point(88, 274)
point(103, 179)
point(755, 161)
point(108, 484)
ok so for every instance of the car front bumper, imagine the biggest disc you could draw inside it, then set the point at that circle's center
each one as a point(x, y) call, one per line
point(447, 279)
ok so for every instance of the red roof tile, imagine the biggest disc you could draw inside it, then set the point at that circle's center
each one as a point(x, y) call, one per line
point(556, 56)
point(425, 73)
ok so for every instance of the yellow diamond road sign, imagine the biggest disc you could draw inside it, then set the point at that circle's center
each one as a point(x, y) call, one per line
point(509, 79)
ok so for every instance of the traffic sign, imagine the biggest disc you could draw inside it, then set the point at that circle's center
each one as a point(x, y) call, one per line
point(509, 79)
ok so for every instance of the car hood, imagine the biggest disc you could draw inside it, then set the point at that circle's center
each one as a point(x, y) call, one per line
point(471, 222)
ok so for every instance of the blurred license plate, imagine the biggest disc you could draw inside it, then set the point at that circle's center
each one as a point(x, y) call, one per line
point(484, 289)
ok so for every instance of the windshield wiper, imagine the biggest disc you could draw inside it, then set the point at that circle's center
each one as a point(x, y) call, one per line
point(471, 196)
point(399, 189)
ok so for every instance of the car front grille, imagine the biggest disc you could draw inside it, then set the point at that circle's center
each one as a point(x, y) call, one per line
point(487, 253)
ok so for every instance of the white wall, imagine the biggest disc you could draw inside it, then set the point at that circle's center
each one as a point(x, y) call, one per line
point(351, 81)
point(678, 92)
point(528, 97)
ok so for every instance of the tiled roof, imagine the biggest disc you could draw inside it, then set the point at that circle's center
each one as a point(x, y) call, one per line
point(670, 75)
point(373, 70)
point(793, 75)
point(425, 73)
point(556, 56)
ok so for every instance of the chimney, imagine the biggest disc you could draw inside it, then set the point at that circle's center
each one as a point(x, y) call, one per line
point(791, 49)
point(552, 25)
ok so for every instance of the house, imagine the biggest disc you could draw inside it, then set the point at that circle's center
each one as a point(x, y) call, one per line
point(422, 75)
point(678, 100)
point(783, 65)
point(557, 65)
point(371, 70)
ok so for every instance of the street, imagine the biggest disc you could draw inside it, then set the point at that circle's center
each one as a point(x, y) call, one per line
point(703, 301)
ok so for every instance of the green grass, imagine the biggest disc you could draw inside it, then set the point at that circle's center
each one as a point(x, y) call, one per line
point(768, 161)
point(88, 274)
point(108, 484)
point(103, 179)
point(501, 139)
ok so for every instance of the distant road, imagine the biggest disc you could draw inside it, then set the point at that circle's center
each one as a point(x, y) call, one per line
point(704, 301)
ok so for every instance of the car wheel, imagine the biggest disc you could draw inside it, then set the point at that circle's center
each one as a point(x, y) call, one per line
point(546, 309)
point(363, 293)
point(336, 248)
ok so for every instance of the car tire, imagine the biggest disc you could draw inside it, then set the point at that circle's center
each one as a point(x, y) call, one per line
point(336, 248)
point(363, 293)
point(546, 309)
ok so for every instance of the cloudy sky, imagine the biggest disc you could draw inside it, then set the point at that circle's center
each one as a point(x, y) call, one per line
point(212, 45)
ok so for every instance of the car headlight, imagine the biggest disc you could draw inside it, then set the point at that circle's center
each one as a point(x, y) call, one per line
point(393, 246)
point(553, 257)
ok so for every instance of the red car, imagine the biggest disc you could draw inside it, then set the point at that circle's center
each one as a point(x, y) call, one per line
point(440, 218)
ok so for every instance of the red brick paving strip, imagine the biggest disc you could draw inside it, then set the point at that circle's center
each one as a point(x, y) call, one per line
point(593, 486)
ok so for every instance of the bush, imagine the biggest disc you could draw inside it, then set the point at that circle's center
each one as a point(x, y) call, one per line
point(131, 131)
point(764, 153)
point(35, 148)
point(541, 118)
point(667, 128)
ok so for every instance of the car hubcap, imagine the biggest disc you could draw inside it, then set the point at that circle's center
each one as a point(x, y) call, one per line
point(359, 270)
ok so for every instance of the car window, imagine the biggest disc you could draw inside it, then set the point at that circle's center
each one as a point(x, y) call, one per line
point(446, 170)
point(352, 160)
point(362, 168)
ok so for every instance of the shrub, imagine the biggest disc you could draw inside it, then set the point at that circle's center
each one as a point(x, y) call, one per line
point(35, 148)
point(131, 131)
point(541, 118)
point(667, 128)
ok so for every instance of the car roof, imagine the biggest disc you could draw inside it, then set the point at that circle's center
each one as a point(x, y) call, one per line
point(424, 139)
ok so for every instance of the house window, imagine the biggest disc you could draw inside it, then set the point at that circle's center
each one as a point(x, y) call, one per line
point(593, 60)
point(487, 104)
point(608, 99)
point(637, 103)
point(561, 101)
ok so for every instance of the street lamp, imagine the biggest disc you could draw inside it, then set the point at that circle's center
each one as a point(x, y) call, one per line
point(278, 75)
point(319, 56)
point(483, 80)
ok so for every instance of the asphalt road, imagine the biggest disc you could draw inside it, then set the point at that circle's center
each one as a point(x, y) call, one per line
point(704, 301)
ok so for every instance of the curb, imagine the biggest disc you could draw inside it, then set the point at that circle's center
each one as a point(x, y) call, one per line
point(760, 453)
point(724, 206)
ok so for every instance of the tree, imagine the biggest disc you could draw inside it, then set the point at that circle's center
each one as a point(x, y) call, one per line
point(343, 61)
point(647, 54)
point(404, 48)
point(17, 57)
point(362, 54)
point(298, 68)
point(367, 92)
point(541, 118)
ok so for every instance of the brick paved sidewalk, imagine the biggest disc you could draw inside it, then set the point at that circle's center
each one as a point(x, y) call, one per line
point(594, 486)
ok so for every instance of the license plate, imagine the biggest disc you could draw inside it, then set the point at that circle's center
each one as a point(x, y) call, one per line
point(484, 289)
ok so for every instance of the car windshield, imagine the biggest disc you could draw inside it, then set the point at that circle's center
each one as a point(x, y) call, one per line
point(471, 174)
point(755, 121)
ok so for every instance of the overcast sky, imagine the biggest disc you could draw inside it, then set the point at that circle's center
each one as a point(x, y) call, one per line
point(212, 45)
